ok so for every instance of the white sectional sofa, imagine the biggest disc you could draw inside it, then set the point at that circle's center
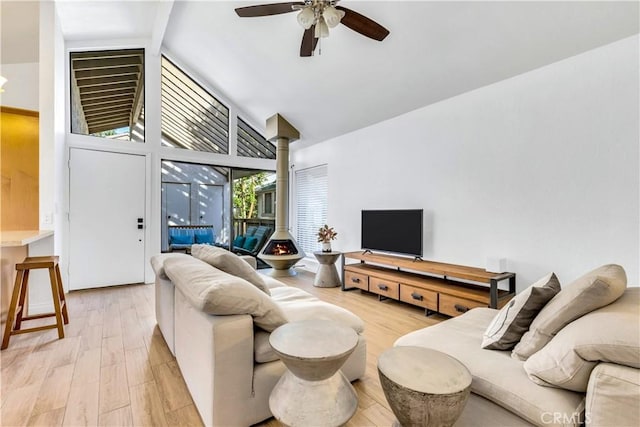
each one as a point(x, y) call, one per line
point(225, 358)
point(583, 373)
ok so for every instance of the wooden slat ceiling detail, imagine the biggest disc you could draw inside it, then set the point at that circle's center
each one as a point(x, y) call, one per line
point(252, 144)
point(111, 85)
point(191, 117)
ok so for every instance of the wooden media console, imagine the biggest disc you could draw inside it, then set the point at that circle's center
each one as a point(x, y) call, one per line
point(435, 286)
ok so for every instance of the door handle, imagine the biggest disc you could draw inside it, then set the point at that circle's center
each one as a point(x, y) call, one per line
point(383, 287)
point(416, 296)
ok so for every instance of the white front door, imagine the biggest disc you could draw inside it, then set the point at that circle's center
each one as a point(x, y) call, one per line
point(106, 218)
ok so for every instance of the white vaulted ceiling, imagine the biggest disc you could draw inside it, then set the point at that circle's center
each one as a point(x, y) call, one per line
point(436, 50)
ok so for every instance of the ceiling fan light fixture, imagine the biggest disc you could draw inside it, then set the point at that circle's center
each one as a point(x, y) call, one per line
point(316, 17)
point(306, 17)
point(332, 16)
point(322, 30)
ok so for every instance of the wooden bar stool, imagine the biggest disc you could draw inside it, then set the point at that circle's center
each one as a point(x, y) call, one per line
point(17, 309)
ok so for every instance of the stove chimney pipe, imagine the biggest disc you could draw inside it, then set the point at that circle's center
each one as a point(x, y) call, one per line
point(282, 132)
point(281, 250)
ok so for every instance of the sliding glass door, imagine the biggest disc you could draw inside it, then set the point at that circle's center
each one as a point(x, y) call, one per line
point(227, 199)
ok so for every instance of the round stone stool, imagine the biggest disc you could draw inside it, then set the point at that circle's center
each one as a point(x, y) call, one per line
point(424, 387)
point(313, 391)
point(327, 275)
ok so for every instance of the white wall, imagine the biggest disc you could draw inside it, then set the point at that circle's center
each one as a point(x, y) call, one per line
point(542, 169)
point(50, 78)
point(21, 89)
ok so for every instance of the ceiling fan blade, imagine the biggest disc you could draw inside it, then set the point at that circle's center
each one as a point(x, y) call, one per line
point(267, 9)
point(309, 42)
point(363, 25)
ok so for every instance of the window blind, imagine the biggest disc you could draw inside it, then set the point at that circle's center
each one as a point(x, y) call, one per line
point(311, 205)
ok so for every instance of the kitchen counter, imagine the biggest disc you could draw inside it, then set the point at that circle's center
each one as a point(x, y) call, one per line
point(22, 237)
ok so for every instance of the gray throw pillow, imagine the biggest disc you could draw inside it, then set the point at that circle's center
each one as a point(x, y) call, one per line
point(595, 289)
point(513, 320)
point(230, 263)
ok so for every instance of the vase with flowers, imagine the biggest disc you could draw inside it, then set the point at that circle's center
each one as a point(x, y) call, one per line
point(325, 235)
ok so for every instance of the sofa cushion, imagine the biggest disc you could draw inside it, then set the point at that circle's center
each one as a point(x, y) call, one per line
point(215, 292)
point(229, 263)
point(238, 241)
point(204, 236)
point(595, 289)
point(300, 305)
point(297, 305)
point(272, 282)
point(250, 243)
point(513, 320)
point(496, 376)
point(262, 234)
point(609, 334)
point(612, 396)
point(262, 350)
point(181, 239)
point(157, 262)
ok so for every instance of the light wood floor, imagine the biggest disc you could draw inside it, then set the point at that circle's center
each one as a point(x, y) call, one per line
point(114, 368)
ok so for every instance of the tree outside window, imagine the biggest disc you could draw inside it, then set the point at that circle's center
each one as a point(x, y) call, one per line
point(245, 201)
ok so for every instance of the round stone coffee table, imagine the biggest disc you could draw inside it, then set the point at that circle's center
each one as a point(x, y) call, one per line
point(424, 387)
point(313, 391)
point(327, 275)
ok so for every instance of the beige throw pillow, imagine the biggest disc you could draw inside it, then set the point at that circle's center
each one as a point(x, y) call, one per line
point(513, 320)
point(609, 334)
point(595, 289)
point(229, 263)
point(215, 292)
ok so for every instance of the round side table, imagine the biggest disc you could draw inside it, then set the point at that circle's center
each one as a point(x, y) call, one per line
point(327, 275)
point(424, 387)
point(313, 390)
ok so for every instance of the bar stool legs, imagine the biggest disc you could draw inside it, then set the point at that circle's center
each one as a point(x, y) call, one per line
point(17, 309)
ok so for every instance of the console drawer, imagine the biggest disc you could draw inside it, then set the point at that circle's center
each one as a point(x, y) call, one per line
point(384, 287)
point(419, 296)
point(356, 280)
point(455, 306)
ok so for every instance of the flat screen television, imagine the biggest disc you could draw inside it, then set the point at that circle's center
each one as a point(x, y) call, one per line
point(396, 231)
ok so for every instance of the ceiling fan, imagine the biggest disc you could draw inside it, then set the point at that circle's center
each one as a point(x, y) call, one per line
point(316, 17)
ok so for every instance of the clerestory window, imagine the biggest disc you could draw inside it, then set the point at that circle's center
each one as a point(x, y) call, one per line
point(107, 94)
point(252, 144)
point(192, 118)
